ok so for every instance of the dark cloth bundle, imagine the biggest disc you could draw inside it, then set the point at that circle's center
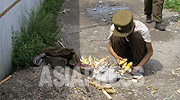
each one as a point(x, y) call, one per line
point(57, 57)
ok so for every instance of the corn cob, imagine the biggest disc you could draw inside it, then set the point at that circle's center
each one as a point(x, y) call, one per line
point(122, 61)
point(128, 66)
point(178, 91)
point(100, 62)
point(124, 65)
point(84, 61)
point(113, 91)
point(90, 61)
point(103, 59)
point(108, 96)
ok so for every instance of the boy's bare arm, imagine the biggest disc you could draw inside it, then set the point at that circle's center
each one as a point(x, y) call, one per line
point(118, 58)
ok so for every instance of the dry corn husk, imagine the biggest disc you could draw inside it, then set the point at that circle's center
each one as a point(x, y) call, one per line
point(173, 71)
point(93, 62)
point(99, 86)
point(100, 62)
point(178, 91)
point(108, 88)
point(112, 91)
point(108, 96)
point(153, 90)
point(105, 88)
point(7, 78)
point(92, 83)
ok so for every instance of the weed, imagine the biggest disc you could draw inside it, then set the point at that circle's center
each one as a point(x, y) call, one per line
point(174, 5)
point(39, 34)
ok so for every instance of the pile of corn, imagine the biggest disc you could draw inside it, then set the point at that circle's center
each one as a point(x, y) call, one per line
point(94, 62)
point(126, 67)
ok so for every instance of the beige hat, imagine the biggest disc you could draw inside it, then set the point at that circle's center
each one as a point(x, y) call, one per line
point(123, 22)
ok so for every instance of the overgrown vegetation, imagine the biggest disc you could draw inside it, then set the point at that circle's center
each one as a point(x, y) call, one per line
point(40, 33)
point(174, 5)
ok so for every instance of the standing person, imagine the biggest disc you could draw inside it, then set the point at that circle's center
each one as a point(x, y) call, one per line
point(155, 8)
point(129, 39)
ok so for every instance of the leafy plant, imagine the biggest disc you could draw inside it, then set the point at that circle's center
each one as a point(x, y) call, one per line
point(174, 5)
point(40, 33)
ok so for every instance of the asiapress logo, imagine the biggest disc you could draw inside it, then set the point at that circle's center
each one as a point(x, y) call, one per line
point(65, 76)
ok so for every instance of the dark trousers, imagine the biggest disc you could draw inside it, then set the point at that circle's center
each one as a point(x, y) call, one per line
point(154, 7)
point(134, 49)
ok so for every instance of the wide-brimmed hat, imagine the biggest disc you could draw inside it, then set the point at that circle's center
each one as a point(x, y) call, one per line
point(123, 22)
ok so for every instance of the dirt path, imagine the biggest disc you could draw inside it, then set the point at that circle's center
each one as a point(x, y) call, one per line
point(92, 29)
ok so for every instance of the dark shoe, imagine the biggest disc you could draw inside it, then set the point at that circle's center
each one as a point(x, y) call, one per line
point(148, 19)
point(159, 26)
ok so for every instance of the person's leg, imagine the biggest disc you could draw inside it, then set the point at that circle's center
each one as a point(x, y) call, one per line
point(157, 14)
point(138, 48)
point(148, 10)
point(120, 46)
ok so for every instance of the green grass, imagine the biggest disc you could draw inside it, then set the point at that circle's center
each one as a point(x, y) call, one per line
point(174, 5)
point(39, 34)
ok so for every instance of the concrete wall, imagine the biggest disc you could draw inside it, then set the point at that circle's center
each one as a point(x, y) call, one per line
point(13, 18)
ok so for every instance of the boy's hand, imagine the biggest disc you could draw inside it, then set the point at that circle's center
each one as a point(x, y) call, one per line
point(135, 69)
point(118, 59)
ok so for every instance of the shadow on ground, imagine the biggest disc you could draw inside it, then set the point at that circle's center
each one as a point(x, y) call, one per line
point(152, 67)
point(69, 21)
point(169, 20)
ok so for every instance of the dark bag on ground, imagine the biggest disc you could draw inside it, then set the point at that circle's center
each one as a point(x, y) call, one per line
point(57, 57)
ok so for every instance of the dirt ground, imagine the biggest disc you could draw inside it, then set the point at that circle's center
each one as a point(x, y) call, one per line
point(85, 28)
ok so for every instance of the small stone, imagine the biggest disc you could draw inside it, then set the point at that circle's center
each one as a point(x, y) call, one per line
point(135, 94)
point(130, 93)
point(112, 4)
point(104, 20)
point(110, 13)
point(148, 89)
point(171, 23)
point(89, 95)
point(134, 80)
point(100, 2)
point(76, 92)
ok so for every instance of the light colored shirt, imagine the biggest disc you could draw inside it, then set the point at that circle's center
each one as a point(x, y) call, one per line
point(139, 27)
